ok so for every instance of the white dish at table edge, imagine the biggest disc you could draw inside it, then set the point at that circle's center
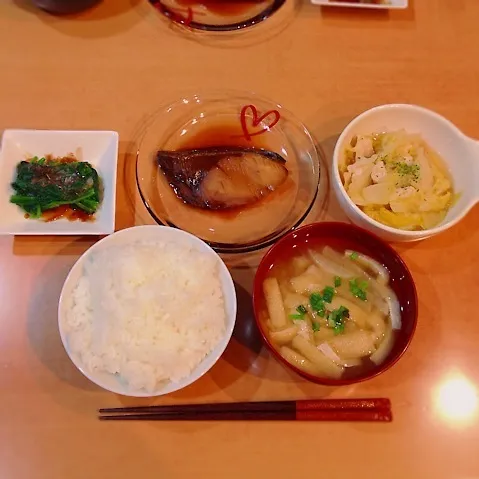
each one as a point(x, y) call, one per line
point(100, 148)
point(459, 152)
point(394, 4)
point(112, 382)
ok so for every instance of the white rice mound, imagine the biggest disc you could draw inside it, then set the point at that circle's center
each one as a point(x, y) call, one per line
point(149, 312)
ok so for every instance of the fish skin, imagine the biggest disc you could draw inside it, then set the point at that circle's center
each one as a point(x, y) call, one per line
point(217, 178)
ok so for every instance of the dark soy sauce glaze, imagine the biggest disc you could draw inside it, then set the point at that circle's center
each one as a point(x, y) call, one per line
point(284, 270)
point(230, 135)
point(67, 212)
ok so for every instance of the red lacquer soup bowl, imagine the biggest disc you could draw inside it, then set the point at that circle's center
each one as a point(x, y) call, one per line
point(341, 237)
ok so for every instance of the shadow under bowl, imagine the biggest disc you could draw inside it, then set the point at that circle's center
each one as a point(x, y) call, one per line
point(343, 236)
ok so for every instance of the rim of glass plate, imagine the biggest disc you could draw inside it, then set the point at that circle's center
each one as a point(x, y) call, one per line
point(227, 27)
point(234, 248)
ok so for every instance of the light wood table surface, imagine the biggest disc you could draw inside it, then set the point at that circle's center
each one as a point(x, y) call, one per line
point(109, 69)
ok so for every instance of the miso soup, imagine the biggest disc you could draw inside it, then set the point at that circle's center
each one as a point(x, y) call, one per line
point(331, 312)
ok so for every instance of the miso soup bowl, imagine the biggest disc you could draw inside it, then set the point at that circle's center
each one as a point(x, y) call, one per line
point(459, 152)
point(343, 236)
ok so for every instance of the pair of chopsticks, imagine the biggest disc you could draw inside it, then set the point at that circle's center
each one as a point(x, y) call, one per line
point(372, 410)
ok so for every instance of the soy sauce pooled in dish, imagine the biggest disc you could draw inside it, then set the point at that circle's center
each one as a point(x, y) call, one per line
point(222, 171)
point(231, 225)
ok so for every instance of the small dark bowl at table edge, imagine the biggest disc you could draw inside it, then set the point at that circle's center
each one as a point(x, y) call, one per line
point(377, 249)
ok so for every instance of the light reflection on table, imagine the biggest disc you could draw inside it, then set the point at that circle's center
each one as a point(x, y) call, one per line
point(456, 400)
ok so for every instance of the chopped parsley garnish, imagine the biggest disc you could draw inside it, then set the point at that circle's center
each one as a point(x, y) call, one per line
point(301, 312)
point(403, 169)
point(354, 255)
point(328, 294)
point(315, 326)
point(358, 288)
point(337, 281)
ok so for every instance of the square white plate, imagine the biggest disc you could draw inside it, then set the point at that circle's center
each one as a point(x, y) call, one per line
point(391, 5)
point(100, 148)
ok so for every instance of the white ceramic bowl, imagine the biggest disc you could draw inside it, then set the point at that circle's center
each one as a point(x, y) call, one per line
point(459, 152)
point(391, 4)
point(100, 148)
point(127, 236)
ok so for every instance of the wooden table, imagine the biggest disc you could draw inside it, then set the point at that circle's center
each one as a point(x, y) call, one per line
point(109, 69)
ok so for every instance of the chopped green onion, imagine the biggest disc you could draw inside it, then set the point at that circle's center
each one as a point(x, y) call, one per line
point(337, 281)
point(336, 319)
point(339, 328)
point(301, 312)
point(316, 301)
point(301, 309)
point(315, 326)
point(317, 304)
point(354, 255)
point(358, 288)
point(328, 294)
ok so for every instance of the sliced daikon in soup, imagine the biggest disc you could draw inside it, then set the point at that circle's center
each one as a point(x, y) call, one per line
point(376, 322)
point(293, 300)
point(311, 280)
point(324, 365)
point(329, 265)
point(326, 349)
point(354, 345)
point(298, 360)
point(370, 265)
point(380, 355)
point(274, 302)
point(284, 336)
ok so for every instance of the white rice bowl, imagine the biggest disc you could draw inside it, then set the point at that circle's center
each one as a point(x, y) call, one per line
point(147, 311)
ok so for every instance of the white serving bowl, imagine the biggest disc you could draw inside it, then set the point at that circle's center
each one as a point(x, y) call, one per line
point(459, 152)
point(112, 382)
point(99, 148)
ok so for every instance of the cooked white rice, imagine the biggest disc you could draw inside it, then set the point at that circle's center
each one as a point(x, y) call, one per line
point(149, 312)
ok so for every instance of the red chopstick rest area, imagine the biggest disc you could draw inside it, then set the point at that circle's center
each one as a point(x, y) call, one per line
point(370, 410)
point(379, 415)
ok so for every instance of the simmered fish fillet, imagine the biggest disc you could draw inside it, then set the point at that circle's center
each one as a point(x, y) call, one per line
point(222, 177)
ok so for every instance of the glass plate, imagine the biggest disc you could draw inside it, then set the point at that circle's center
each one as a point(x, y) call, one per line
point(232, 119)
point(218, 15)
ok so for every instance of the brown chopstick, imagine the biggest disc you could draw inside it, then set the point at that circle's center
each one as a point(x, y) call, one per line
point(373, 409)
point(375, 415)
point(304, 404)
